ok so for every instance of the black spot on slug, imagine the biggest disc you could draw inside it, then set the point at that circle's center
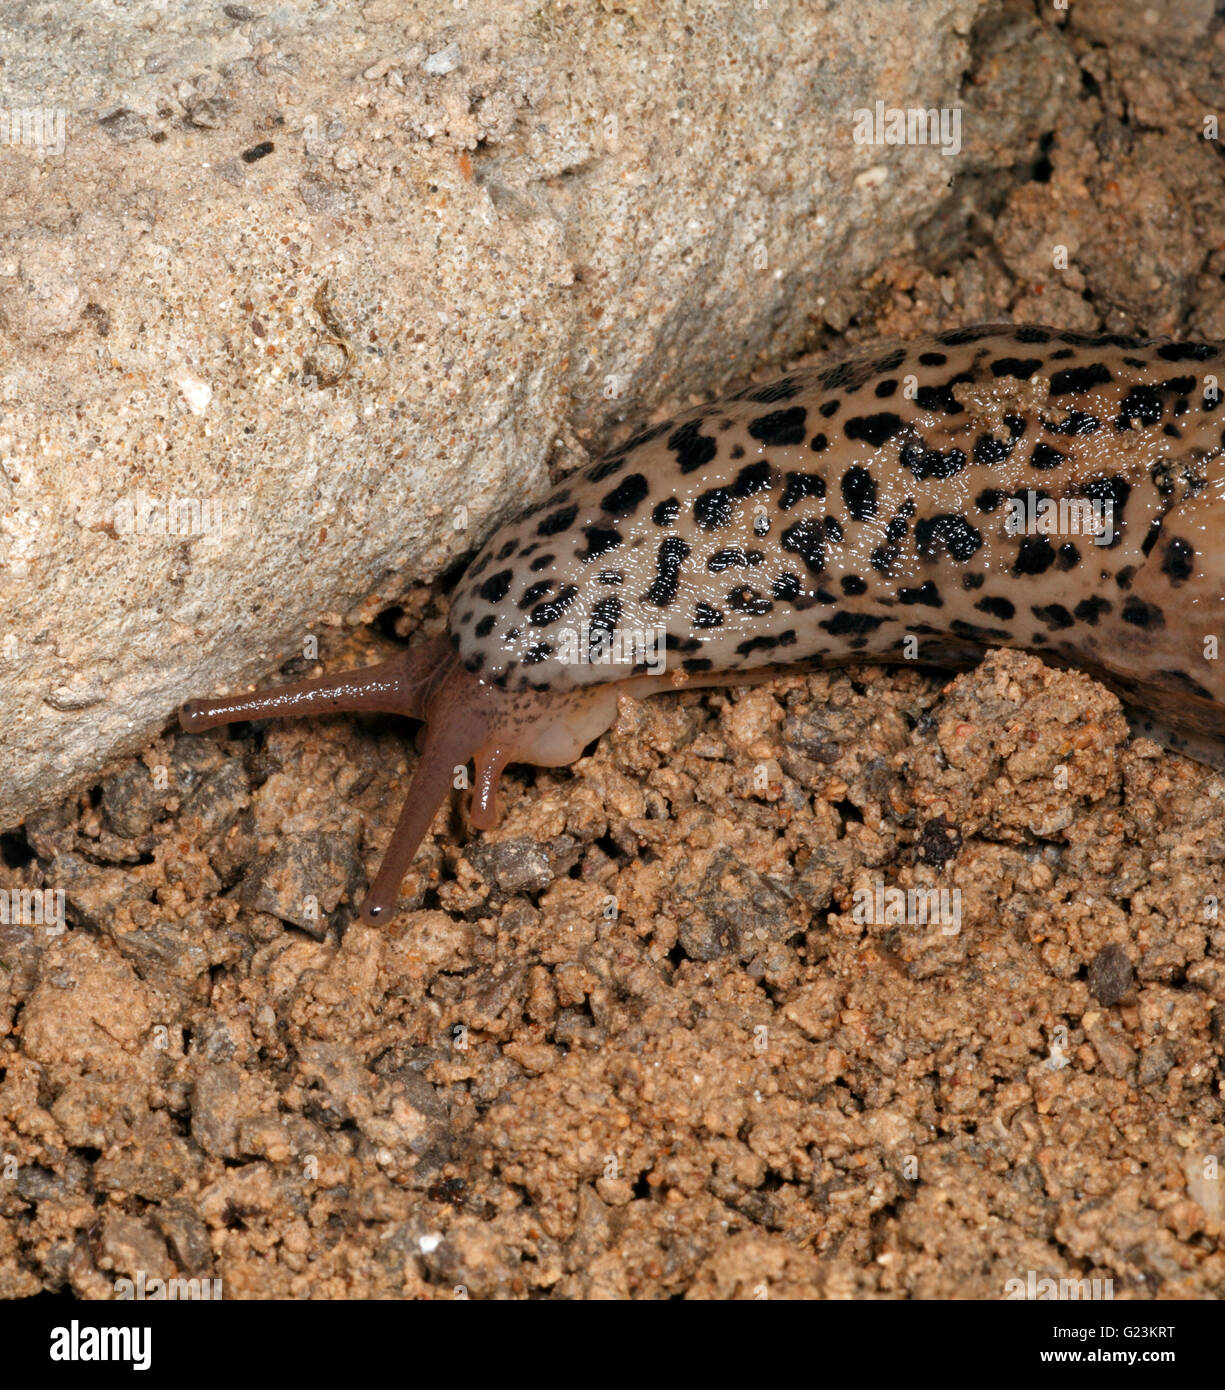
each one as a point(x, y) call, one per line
point(666, 512)
point(874, 429)
point(938, 398)
point(605, 614)
point(533, 593)
point(713, 509)
point(946, 530)
point(493, 590)
point(851, 624)
point(693, 449)
point(625, 498)
point(998, 607)
point(1054, 615)
point(926, 594)
point(931, 463)
point(600, 540)
point(807, 540)
point(1141, 403)
point(672, 554)
point(801, 485)
point(1088, 610)
point(1141, 614)
point(1022, 367)
point(1075, 381)
point(1034, 556)
point(545, 613)
point(859, 493)
point(1178, 560)
point(557, 522)
point(779, 427)
point(731, 558)
point(1185, 352)
point(753, 478)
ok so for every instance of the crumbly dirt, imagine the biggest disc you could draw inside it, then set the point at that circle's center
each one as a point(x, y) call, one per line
point(639, 1040)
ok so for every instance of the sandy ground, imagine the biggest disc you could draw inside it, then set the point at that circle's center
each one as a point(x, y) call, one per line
point(638, 1042)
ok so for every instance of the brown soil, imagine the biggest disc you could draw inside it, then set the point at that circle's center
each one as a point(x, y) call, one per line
point(635, 1042)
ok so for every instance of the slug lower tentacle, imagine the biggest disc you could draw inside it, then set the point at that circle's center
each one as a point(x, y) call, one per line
point(998, 485)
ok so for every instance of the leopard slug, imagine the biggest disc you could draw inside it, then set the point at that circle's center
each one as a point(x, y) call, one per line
point(888, 505)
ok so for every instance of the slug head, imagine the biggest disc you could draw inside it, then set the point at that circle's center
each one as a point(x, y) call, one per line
point(466, 719)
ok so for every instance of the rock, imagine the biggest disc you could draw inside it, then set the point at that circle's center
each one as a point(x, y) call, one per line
point(303, 880)
point(733, 911)
point(1155, 1061)
point(93, 894)
point(223, 1098)
point(131, 801)
point(519, 865)
point(154, 1164)
point(91, 1011)
point(521, 232)
point(186, 1235)
point(128, 1246)
point(1110, 975)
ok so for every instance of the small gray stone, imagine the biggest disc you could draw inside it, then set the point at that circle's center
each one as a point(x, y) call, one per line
point(735, 912)
point(444, 61)
point(515, 866)
point(124, 126)
point(131, 801)
point(1110, 975)
point(303, 880)
point(186, 1234)
point(1155, 1061)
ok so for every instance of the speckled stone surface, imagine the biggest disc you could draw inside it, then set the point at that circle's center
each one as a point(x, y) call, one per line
point(532, 224)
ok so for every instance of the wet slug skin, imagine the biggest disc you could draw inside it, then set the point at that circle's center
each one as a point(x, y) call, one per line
point(989, 486)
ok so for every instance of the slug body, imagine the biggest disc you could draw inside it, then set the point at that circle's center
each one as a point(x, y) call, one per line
point(902, 503)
